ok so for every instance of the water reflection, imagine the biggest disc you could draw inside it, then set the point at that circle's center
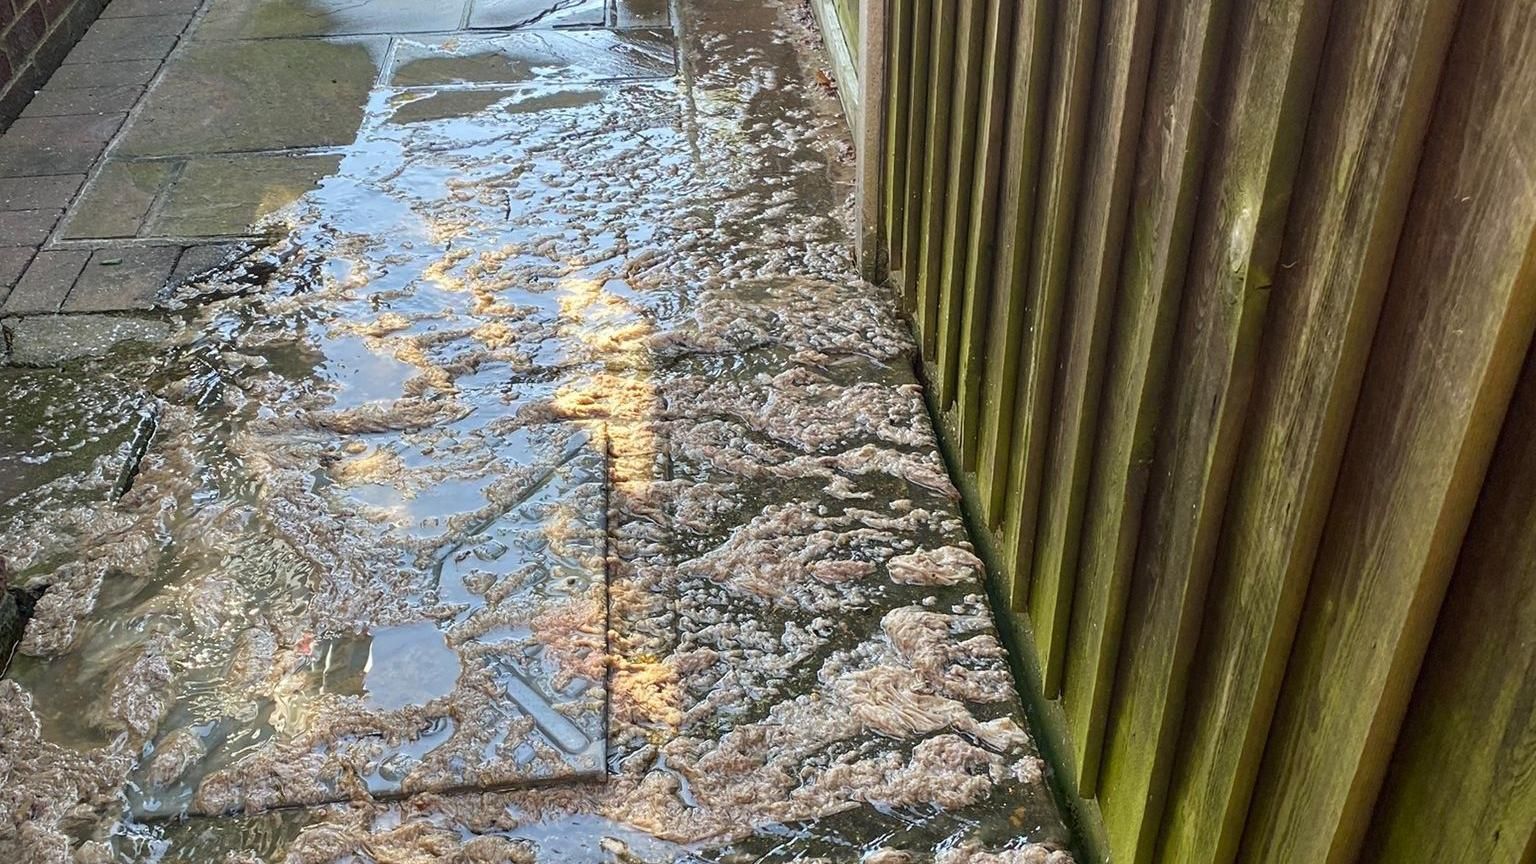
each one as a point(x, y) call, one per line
point(553, 468)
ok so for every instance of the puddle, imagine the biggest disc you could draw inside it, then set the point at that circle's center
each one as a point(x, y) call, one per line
point(409, 665)
point(528, 56)
point(536, 499)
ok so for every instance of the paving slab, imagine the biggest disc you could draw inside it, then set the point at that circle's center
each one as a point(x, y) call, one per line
point(107, 417)
point(472, 700)
point(39, 193)
point(53, 340)
point(196, 261)
point(224, 196)
point(13, 262)
point(111, 27)
point(509, 14)
point(117, 279)
point(46, 282)
point(55, 145)
point(117, 201)
point(112, 49)
point(149, 37)
point(541, 55)
point(26, 227)
point(255, 19)
point(99, 75)
point(58, 102)
point(264, 94)
point(136, 8)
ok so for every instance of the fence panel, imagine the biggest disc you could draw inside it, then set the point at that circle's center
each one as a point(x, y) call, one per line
point(1366, 130)
point(1222, 303)
point(985, 195)
point(1118, 93)
point(1270, 69)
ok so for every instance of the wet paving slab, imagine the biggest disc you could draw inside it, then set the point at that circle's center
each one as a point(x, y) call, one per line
point(546, 487)
point(544, 56)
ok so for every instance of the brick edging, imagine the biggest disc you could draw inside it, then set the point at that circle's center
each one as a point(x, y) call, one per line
point(35, 36)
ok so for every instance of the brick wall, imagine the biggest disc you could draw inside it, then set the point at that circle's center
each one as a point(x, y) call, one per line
point(34, 37)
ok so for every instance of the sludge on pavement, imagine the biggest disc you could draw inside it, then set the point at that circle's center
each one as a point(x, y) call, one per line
point(566, 392)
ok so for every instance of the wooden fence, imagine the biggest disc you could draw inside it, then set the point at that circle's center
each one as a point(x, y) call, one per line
point(1226, 308)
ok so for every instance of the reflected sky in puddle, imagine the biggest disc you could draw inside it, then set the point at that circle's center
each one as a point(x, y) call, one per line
point(388, 544)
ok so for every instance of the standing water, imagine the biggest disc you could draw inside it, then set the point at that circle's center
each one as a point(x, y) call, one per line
point(549, 489)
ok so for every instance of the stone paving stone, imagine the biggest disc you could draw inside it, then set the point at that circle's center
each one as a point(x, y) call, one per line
point(83, 100)
point(140, 25)
point(223, 196)
point(45, 284)
point(111, 49)
point(39, 193)
point(133, 8)
point(118, 74)
point(116, 202)
point(642, 13)
point(48, 340)
point(259, 19)
point(13, 262)
point(26, 227)
point(548, 55)
point(55, 145)
point(267, 94)
point(102, 416)
point(537, 13)
point(122, 279)
point(197, 260)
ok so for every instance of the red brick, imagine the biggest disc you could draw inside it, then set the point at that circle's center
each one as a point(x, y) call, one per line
point(26, 33)
point(55, 10)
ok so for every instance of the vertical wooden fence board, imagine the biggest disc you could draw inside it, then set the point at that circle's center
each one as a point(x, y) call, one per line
point(1455, 327)
point(941, 61)
point(970, 25)
point(917, 137)
point(899, 82)
point(1363, 146)
point(1275, 50)
point(1462, 784)
point(982, 227)
point(1076, 42)
point(1021, 173)
point(1176, 124)
point(1118, 93)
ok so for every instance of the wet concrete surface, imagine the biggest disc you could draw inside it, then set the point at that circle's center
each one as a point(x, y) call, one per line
point(547, 488)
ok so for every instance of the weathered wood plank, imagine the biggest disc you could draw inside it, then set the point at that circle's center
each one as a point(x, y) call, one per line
point(970, 22)
point(981, 231)
point(1187, 56)
point(1275, 51)
point(899, 82)
point(1076, 42)
point(1033, 26)
point(1474, 708)
point(1119, 90)
point(1455, 327)
point(941, 79)
point(1364, 141)
point(917, 138)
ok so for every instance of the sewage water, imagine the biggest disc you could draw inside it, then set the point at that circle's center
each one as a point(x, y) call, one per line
point(550, 490)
